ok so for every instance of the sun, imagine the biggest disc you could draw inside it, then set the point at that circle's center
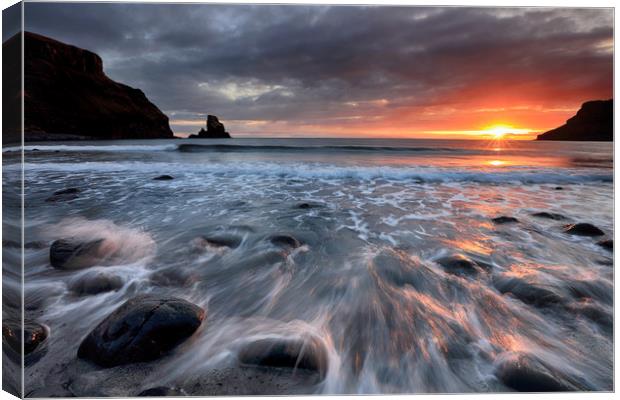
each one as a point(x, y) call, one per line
point(498, 131)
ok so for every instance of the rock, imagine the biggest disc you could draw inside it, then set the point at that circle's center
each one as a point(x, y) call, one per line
point(459, 265)
point(73, 254)
point(64, 195)
point(524, 373)
point(219, 241)
point(593, 122)
point(67, 93)
point(215, 130)
point(163, 178)
point(292, 353)
point(161, 391)
point(95, 282)
point(607, 244)
point(583, 229)
point(285, 241)
point(527, 292)
point(559, 188)
point(505, 220)
point(142, 329)
point(548, 215)
point(34, 335)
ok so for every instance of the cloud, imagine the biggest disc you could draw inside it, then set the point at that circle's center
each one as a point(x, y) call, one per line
point(343, 68)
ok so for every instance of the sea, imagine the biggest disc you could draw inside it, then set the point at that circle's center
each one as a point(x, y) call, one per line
point(373, 221)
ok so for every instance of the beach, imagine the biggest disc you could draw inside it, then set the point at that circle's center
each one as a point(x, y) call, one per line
point(410, 266)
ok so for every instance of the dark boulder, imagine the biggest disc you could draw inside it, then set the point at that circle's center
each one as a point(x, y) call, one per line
point(215, 130)
point(459, 265)
point(34, 335)
point(525, 373)
point(161, 391)
point(95, 282)
point(229, 241)
point(559, 188)
point(64, 195)
point(593, 122)
point(163, 178)
point(607, 244)
point(505, 220)
point(583, 229)
point(527, 292)
point(285, 241)
point(307, 354)
point(74, 254)
point(548, 215)
point(142, 329)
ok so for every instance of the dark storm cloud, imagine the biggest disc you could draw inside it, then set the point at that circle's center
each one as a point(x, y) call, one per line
point(303, 63)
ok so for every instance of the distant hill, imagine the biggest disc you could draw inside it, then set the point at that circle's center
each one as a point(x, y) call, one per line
point(67, 95)
point(593, 122)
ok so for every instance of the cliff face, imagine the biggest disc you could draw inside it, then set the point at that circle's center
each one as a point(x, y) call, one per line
point(593, 122)
point(67, 93)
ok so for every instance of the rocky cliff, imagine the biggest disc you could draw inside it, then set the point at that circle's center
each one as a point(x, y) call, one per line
point(593, 122)
point(68, 95)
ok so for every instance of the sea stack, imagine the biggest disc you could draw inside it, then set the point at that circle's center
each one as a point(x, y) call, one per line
point(215, 130)
point(593, 122)
point(68, 96)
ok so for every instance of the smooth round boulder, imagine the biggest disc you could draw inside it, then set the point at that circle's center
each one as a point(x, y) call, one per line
point(34, 334)
point(64, 195)
point(95, 282)
point(524, 373)
point(285, 241)
point(504, 220)
point(583, 229)
point(161, 391)
point(163, 178)
point(548, 215)
point(307, 354)
point(142, 329)
point(72, 254)
point(459, 265)
point(607, 244)
point(229, 241)
point(527, 292)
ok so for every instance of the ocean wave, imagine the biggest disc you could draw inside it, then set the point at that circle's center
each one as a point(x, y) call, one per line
point(327, 171)
point(92, 148)
point(198, 148)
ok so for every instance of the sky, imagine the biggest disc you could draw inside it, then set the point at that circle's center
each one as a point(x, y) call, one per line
point(348, 71)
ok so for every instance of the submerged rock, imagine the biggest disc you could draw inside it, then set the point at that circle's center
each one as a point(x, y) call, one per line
point(583, 229)
point(64, 195)
point(74, 254)
point(163, 178)
point(524, 373)
point(292, 353)
point(527, 292)
point(548, 215)
point(505, 220)
point(285, 241)
point(34, 334)
point(142, 329)
point(95, 282)
point(607, 244)
point(459, 265)
point(229, 241)
point(161, 391)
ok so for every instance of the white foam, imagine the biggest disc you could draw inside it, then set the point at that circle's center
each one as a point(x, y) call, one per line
point(330, 172)
point(90, 148)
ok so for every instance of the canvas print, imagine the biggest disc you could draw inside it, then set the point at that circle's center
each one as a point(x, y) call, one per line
point(238, 199)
